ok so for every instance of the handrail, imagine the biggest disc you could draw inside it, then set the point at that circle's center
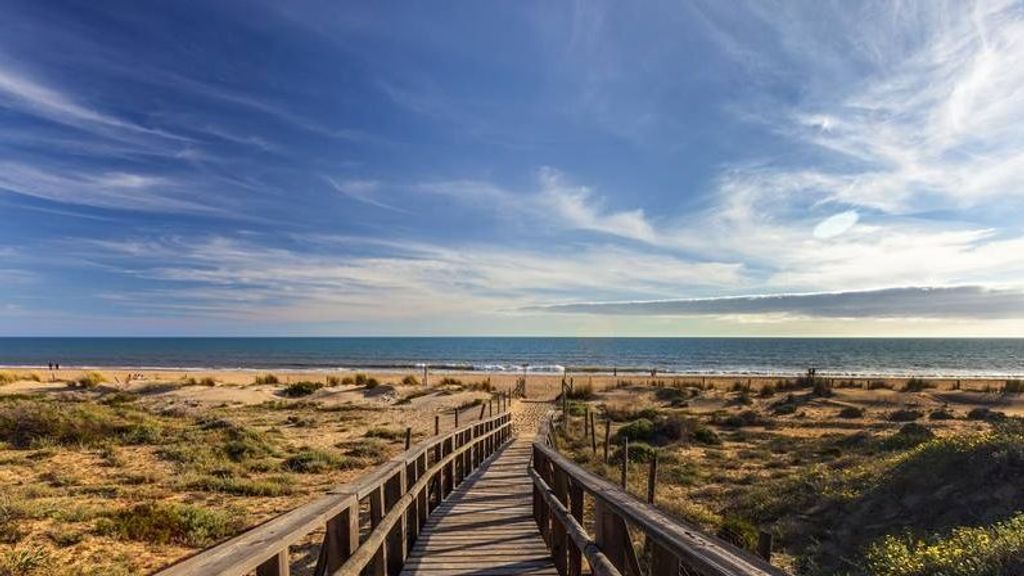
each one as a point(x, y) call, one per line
point(560, 484)
point(401, 493)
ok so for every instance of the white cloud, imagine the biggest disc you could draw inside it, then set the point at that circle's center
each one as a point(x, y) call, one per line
point(835, 225)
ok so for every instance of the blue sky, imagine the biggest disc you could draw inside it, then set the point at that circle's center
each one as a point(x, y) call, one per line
point(590, 168)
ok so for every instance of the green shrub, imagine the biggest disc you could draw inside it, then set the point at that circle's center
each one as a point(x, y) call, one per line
point(642, 429)
point(266, 487)
point(27, 424)
point(745, 418)
point(851, 412)
point(371, 449)
point(966, 551)
point(985, 414)
point(26, 562)
point(909, 435)
point(582, 391)
point(905, 415)
point(941, 414)
point(638, 452)
point(1013, 387)
point(705, 435)
point(299, 389)
point(917, 385)
point(739, 532)
point(266, 379)
point(311, 461)
point(169, 523)
point(385, 433)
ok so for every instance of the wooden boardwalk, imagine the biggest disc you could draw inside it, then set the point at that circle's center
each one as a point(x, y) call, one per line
point(486, 527)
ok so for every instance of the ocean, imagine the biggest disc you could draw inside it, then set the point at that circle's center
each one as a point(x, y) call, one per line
point(993, 357)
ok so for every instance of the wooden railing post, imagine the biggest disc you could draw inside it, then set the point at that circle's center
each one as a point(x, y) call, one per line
point(378, 566)
point(340, 540)
point(559, 538)
point(276, 566)
point(607, 438)
point(394, 489)
point(576, 509)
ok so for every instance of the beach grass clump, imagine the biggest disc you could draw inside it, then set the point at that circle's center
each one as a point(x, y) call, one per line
point(300, 389)
point(743, 419)
point(266, 379)
point(851, 412)
point(905, 415)
point(30, 424)
point(364, 381)
point(917, 385)
point(991, 550)
point(26, 561)
point(1013, 386)
point(372, 450)
point(223, 483)
point(987, 414)
point(385, 433)
point(169, 523)
point(310, 461)
point(8, 377)
point(582, 391)
point(88, 380)
point(410, 380)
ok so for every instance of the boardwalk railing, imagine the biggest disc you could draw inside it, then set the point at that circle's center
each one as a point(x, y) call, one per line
point(560, 495)
point(399, 496)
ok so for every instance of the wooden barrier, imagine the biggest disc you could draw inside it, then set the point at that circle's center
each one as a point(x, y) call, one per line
point(560, 491)
point(399, 495)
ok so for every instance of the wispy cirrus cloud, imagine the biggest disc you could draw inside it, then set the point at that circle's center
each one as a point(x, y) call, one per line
point(953, 302)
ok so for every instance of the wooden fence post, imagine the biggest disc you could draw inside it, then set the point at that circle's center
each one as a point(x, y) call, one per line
point(625, 464)
point(483, 407)
point(593, 435)
point(607, 438)
point(652, 478)
point(437, 425)
point(764, 544)
point(408, 437)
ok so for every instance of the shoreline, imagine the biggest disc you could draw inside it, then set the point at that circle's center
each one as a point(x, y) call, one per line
point(539, 371)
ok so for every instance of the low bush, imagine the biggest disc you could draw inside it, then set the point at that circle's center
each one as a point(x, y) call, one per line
point(966, 551)
point(266, 379)
point(1013, 387)
point(905, 415)
point(208, 381)
point(299, 389)
point(169, 523)
point(637, 430)
point(941, 414)
point(410, 380)
point(908, 436)
point(705, 435)
point(739, 532)
point(449, 381)
point(851, 412)
point(88, 380)
point(879, 385)
point(985, 414)
point(365, 381)
point(582, 391)
point(745, 418)
point(917, 385)
point(370, 449)
point(28, 424)
point(385, 433)
point(224, 484)
point(8, 377)
point(638, 452)
point(311, 461)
